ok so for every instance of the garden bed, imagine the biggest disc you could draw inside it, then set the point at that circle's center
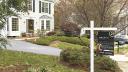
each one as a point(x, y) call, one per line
point(20, 61)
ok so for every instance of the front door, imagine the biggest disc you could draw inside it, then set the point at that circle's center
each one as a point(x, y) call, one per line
point(30, 26)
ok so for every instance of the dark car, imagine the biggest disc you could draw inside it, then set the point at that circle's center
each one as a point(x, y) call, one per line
point(121, 39)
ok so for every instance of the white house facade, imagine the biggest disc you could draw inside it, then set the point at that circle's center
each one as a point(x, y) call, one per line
point(40, 16)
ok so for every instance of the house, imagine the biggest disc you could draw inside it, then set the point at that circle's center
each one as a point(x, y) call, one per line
point(40, 16)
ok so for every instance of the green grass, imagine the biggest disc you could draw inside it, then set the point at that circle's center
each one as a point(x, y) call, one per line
point(74, 40)
point(20, 58)
point(122, 50)
point(64, 45)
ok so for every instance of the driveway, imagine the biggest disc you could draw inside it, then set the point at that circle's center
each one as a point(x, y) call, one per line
point(18, 45)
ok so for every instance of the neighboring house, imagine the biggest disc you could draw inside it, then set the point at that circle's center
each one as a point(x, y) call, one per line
point(123, 26)
point(40, 16)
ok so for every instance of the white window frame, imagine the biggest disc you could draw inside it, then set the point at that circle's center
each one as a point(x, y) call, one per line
point(15, 25)
point(42, 24)
point(30, 5)
point(45, 9)
point(48, 28)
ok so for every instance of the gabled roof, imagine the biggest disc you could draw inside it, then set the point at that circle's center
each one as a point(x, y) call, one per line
point(50, 0)
point(45, 17)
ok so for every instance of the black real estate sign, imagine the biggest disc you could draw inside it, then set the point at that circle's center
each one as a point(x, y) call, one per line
point(107, 42)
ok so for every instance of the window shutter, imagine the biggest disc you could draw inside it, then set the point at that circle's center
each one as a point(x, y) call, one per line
point(49, 8)
point(33, 5)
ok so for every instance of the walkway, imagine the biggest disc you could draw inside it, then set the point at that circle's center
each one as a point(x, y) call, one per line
point(122, 61)
point(121, 58)
point(18, 45)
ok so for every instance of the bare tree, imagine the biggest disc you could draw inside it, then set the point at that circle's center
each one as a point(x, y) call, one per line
point(63, 11)
point(106, 13)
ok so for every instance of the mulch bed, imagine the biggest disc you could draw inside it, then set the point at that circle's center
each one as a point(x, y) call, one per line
point(14, 68)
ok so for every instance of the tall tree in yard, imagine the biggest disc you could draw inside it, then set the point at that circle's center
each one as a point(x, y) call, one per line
point(63, 11)
point(9, 8)
point(105, 13)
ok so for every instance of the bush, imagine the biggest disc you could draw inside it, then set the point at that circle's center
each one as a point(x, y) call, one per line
point(60, 33)
point(78, 57)
point(39, 69)
point(70, 29)
point(23, 34)
point(105, 64)
point(41, 33)
point(51, 33)
point(74, 40)
point(81, 58)
point(45, 40)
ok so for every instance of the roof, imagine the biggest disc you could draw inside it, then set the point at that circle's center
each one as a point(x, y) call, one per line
point(45, 17)
point(50, 0)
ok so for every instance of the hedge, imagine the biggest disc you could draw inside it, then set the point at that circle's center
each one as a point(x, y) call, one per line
point(74, 40)
point(81, 58)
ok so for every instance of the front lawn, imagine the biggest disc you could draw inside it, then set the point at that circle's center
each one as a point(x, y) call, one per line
point(122, 50)
point(64, 45)
point(62, 42)
point(11, 61)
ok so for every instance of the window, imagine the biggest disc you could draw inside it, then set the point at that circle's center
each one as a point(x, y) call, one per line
point(42, 25)
point(14, 24)
point(46, 7)
point(47, 24)
point(43, 6)
point(29, 4)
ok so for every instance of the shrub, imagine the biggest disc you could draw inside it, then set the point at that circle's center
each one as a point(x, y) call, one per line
point(41, 33)
point(70, 29)
point(45, 40)
point(81, 58)
point(23, 34)
point(76, 57)
point(74, 40)
point(59, 33)
point(51, 33)
point(105, 64)
point(39, 69)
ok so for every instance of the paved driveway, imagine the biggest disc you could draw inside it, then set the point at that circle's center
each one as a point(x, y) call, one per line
point(18, 45)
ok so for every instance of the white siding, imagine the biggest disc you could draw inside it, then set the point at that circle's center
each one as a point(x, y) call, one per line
point(31, 15)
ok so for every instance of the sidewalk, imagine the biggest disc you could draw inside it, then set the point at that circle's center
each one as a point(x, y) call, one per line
point(122, 61)
point(119, 58)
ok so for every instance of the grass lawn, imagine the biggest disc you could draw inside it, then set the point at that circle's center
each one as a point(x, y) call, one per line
point(64, 45)
point(61, 42)
point(122, 50)
point(10, 60)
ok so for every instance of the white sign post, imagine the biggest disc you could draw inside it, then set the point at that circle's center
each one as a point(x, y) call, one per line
point(92, 29)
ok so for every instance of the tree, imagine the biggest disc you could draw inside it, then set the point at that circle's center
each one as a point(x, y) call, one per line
point(9, 8)
point(63, 11)
point(71, 29)
point(105, 13)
